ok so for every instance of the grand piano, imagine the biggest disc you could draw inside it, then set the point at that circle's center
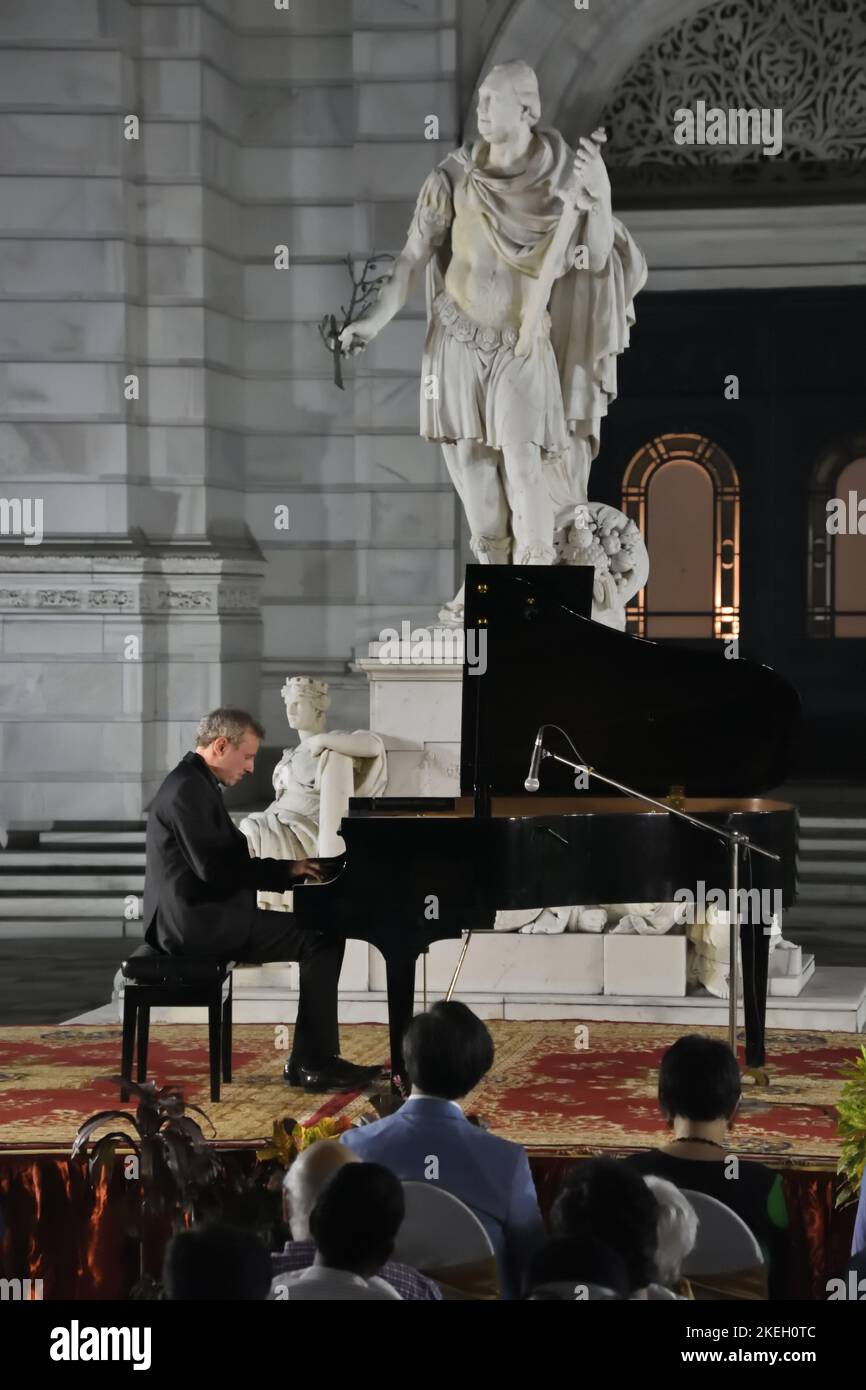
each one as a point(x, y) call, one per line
point(709, 732)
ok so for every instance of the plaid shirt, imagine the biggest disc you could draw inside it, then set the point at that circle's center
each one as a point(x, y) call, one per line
point(409, 1283)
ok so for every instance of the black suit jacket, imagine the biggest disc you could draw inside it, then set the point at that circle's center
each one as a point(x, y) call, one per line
point(199, 879)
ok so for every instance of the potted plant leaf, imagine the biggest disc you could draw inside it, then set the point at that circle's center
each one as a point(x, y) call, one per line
point(174, 1164)
point(851, 1111)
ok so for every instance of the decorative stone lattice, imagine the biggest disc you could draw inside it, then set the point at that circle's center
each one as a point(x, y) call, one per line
point(807, 59)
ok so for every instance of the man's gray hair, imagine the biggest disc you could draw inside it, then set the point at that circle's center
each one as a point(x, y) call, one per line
point(229, 723)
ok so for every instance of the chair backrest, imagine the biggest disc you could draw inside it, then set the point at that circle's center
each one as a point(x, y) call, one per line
point(325, 1290)
point(724, 1244)
point(439, 1230)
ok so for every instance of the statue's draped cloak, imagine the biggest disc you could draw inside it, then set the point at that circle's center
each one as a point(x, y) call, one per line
point(591, 311)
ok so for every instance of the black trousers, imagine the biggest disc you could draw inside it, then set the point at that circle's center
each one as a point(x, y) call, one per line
point(274, 936)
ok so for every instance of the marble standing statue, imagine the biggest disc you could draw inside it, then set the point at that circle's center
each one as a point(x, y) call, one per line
point(313, 782)
point(518, 422)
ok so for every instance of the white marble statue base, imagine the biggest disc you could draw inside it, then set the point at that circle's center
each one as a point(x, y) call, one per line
point(833, 1001)
point(415, 707)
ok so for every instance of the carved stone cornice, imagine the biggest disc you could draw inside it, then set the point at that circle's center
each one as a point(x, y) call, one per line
point(128, 577)
point(39, 560)
point(209, 595)
point(806, 59)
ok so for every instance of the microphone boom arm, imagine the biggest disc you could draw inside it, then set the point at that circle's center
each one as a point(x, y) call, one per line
point(736, 841)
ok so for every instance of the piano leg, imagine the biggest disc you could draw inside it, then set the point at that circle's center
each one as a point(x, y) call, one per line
point(755, 955)
point(401, 999)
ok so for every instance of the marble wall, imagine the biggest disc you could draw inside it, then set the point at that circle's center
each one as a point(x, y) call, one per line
point(155, 256)
point(334, 152)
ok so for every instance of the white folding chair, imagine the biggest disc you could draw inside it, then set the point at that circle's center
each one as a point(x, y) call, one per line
point(724, 1242)
point(439, 1230)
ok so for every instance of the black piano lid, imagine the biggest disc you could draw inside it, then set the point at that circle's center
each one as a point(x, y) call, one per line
point(648, 715)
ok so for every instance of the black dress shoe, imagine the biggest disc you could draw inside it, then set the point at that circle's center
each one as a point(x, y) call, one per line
point(333, 1074)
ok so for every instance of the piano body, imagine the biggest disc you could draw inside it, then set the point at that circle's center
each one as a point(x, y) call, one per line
point(656, 718)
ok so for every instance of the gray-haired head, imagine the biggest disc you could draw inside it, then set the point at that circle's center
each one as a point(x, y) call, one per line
point(677, 1228)
point(306, 1177)
point(226, 722)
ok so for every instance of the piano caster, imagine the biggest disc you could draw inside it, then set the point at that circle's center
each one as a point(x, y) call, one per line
point(758, 1076)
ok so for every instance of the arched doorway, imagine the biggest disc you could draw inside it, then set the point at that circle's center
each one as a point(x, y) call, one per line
point(837, 543)
point(683, 492)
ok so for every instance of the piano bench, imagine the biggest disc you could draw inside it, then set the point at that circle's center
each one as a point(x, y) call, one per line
point(151, 979)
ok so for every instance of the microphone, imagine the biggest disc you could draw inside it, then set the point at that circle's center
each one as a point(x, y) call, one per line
point(531, 784)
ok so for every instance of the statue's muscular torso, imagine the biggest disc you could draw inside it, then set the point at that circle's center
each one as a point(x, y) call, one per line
point(485, 287)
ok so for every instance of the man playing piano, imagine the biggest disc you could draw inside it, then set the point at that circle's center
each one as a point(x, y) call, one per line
point(200, 895)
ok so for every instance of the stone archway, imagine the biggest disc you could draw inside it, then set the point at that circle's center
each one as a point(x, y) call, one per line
point(578, 54)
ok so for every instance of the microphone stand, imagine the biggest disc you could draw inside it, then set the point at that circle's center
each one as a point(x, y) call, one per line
point(736, 841)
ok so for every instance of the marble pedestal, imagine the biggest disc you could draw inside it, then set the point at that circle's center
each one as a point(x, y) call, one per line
point(415, 706)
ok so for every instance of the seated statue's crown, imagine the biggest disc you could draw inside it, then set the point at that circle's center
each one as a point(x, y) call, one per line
point(313, 689)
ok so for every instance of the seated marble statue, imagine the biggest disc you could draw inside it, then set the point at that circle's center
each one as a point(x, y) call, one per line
point(313, 782)
point(615, 919)
point(709, 958)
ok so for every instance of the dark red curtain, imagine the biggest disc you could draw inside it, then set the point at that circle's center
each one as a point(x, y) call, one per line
point(84, 1245)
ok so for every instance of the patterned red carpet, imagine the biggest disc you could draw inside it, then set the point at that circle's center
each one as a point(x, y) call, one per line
point(550, 1087)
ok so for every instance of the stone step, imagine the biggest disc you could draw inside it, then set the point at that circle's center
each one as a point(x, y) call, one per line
point(855, 867)
point(47, 882)
point(832, 893)
point(65, 929)
point(834, 1000)
point(61, 907)
point(846, 840)
point(97, 838)
point(833, 823)
point(66, 859)
point(829, 914)
point(811, 844)
point(97, 826)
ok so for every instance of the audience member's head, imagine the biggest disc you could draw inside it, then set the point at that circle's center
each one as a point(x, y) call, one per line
point(214, 1261)
point(699, 1080)
point(606, 1200)
point(356, 1218)
point(447, 1051)
point(571, 1269)
point(677, 1229)
point(306, 1177)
